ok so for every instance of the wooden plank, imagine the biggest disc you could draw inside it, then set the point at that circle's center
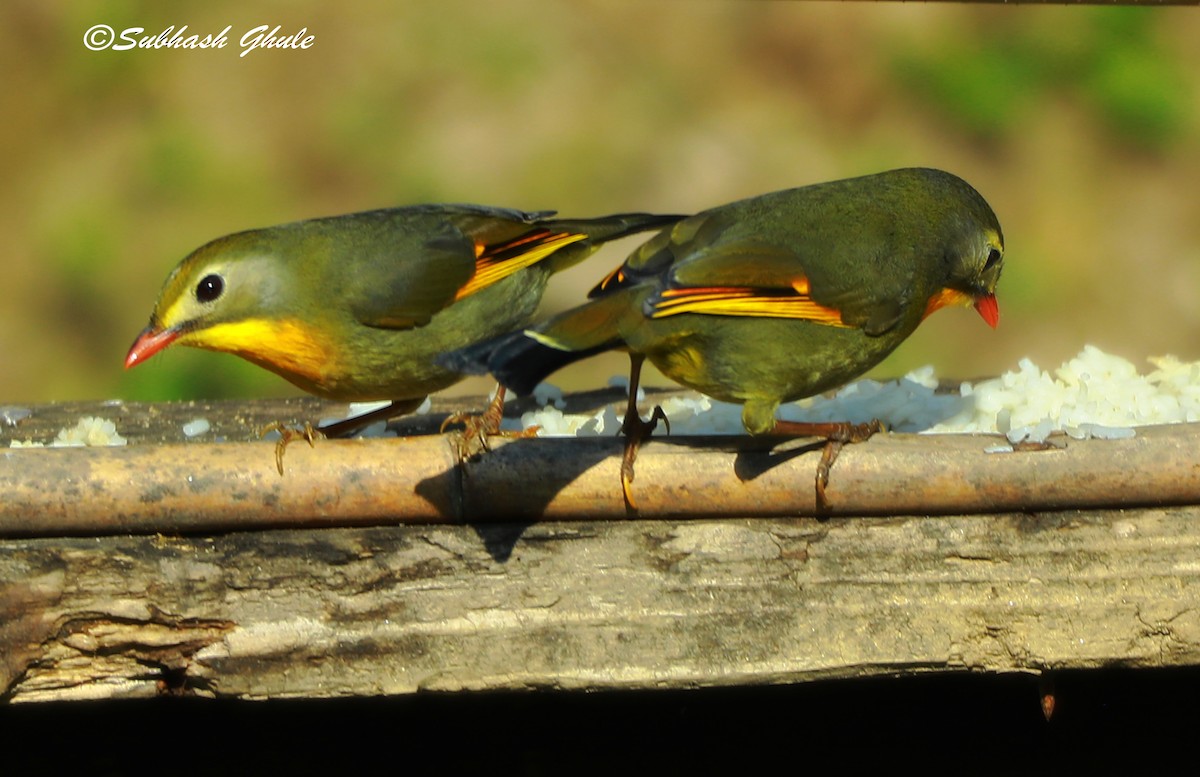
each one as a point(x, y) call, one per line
point(712, 597)
point(618, 604)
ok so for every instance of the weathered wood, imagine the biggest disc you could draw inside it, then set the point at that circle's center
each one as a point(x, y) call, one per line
point(713, 599)
point(335, 612)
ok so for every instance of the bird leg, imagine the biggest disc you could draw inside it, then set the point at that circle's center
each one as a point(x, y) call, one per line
point(348, 426)
point(344, 428)
point(837, 435)
point(635, 429)
point(477, 427)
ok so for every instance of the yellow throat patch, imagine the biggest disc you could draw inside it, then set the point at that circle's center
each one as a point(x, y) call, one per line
point(284, 346)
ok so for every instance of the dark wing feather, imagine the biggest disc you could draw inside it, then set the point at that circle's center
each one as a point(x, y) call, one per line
point(658, 254)
point(410, 263)
point(780, 252)
point(404, 277)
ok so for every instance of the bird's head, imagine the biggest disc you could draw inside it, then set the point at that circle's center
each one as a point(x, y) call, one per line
point(234, 295)
point(974, 253)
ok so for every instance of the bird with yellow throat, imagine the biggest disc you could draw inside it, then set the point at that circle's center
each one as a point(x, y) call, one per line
point(356, 307)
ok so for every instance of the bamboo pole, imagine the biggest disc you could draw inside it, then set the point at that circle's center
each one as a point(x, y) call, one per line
point(184, 488)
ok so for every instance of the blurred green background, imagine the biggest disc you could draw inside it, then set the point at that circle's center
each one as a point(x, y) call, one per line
point(1079, 125)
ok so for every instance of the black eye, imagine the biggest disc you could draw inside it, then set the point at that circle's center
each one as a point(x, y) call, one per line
point(209, 288)
point(993, 257)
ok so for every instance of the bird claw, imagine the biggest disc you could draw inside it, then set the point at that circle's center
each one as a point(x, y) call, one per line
point(828, 455)
point(478, 427)
point(287, 434)
point(635, 426)
point(474, 439)
point(636, 431)
point(837, 436)
point(845, 433)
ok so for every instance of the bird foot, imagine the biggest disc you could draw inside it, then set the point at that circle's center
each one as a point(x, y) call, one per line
point(837, 435)
point(287, 434)
point(473, 439)
point(347, 427)
point(478, 427)
point(637, 431)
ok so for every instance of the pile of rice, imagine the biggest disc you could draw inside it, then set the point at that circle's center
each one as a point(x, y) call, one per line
point(1094, 394)
point(89, 431)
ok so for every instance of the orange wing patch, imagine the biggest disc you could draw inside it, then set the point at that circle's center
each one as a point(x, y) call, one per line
point(747, 301)
point(494, 263)
point(614, 280)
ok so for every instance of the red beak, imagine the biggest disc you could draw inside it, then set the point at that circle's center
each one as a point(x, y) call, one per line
point(148, 343)
point(988, 309)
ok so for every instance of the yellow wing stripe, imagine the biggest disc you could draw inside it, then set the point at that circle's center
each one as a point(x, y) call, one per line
point(736, 301)
point(495, 263)
point(546, 340)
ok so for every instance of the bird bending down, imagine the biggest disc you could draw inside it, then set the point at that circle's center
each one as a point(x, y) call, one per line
point(775, 298)
point(357, 307)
